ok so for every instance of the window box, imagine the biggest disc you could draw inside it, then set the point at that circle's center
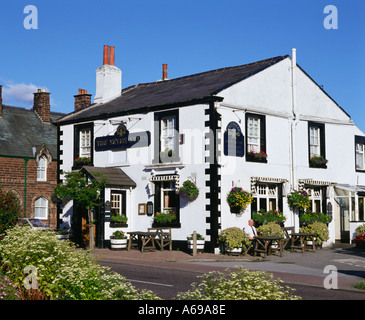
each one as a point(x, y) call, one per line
point(318, 162)
point(253, 156)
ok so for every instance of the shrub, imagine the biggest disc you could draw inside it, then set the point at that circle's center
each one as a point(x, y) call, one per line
point(271, 229)
point(189, 190)
point(360, 229)
point(8, 290)
point(318, 228)
point(239, 285)
point(63, 272)
point(263, 217)
point(234, 238)
point(10, 210)
point(309, 217)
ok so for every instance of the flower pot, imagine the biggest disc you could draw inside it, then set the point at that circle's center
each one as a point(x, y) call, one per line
point(199, 244)
point(118, 244)
point(234, 251)
point(236, 210)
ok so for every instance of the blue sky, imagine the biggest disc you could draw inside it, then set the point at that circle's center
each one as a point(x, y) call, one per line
point(190, 36)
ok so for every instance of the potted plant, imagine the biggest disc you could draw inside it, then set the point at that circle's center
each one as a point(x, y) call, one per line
point(260, 156)
point(82, 161)
point(234, 239)
point(164, 218)
point(271, 229)
point(118, 220)
point(298, 200)
point(320, 229)
point(199, 242)
point(264, 217)
point(238, 199)
point(189, 190)
point(309, 217)
point(318, 162)
point(118, 240)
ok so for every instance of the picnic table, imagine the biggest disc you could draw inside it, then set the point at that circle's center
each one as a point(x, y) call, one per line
point(263, 244)
point(143, 238)
point(302, 238)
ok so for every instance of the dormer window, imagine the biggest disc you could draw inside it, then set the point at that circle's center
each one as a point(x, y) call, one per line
point(42, 169)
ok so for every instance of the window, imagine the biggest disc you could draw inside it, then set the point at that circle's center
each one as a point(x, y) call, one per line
point(255, 138)
point(168, 134)
point(42, 169)
point(316, 145)
point(85, 143)
point(359, 153)
point(166, 137)
point(41, 208)
point(315, 195)
point(118, 203)
point(266, 197)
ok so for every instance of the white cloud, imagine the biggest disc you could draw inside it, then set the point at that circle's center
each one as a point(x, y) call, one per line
point(19, 92)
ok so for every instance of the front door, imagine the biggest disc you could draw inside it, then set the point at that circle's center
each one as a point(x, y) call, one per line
point(344, 220)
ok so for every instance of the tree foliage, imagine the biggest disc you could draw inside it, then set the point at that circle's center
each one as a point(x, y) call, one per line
point(10, 210)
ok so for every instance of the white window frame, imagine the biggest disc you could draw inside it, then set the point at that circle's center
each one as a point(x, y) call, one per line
point(316, 197)
point(41, 208)
point(253, 134)
point(314, 141)
point(116, 203)
point(85, 142)
point(171, 187)
point(360, 156)
point(42, 169)
point(269, 192)
point(168, 133)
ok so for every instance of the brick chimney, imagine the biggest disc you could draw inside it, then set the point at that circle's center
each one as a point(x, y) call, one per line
point(82, 100)
point(41, 105)
point(1, 101)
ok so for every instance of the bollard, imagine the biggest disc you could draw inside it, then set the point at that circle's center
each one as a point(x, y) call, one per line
point(194, 244)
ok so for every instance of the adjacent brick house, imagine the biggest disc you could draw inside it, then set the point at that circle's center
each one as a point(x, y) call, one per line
point(28, 156)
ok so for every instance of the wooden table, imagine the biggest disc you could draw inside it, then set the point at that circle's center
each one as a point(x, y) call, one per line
point(143, 238)
point(302, 237)
point(264, 244)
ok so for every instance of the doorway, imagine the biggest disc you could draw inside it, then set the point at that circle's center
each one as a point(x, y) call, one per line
point(344, 219)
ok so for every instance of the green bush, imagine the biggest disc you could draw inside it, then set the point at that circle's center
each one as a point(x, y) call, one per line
point(10, 210)
point(360, 229)
point(261, 217)
point(239, 285)
point(271, 229)
point(309, 217)
point(8, 290)
point(63, 272)
point(234, 237)
point(318, 228)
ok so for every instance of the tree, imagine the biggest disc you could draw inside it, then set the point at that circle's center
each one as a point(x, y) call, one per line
point(85, 191)
point(10, 210)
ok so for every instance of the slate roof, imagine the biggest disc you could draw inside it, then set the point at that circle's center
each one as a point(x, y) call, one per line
point(21, 129)
point(183, 90)
point(115, 177)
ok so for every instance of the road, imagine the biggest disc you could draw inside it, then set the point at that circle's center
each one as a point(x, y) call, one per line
point(167, 282)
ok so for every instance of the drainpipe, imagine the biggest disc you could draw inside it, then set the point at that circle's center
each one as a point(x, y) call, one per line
point(294, 122)
point(25, 185)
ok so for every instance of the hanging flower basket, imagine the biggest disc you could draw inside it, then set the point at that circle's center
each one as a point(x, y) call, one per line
point(189, 190)
point(238, 199)
point(298, 200)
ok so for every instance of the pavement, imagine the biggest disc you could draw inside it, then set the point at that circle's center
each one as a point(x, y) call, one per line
point(341, 265)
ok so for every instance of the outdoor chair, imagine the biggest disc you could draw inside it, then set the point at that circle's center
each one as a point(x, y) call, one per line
point(287, 236)
point(163, 237)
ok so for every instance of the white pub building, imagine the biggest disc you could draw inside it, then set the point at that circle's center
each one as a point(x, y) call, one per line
point(151, 137)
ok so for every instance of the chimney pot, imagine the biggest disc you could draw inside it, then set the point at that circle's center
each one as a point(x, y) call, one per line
point(106, 55)
point(82, 100)
point(164, 71)
point(112, 56)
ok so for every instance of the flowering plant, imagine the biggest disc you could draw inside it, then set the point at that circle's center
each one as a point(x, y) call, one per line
point(82, 160)
point(234, 237)
point(318, 228)
point(263, 217)
point(119, 218)
point(238, 197)
point(258, 156)
point(118, 235)
point(189, 190)
point(298, 199)
point(360, 229)
point(309, 217)
point(318, 161)
point(271, 229)
point(165, 217)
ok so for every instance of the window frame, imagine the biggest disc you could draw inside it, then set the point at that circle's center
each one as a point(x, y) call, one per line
point(256, 204)
point(322, 142)
point(77, 142)
point(45, 207)
point(42, 170)
point(261, 135)
point(359, 140)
